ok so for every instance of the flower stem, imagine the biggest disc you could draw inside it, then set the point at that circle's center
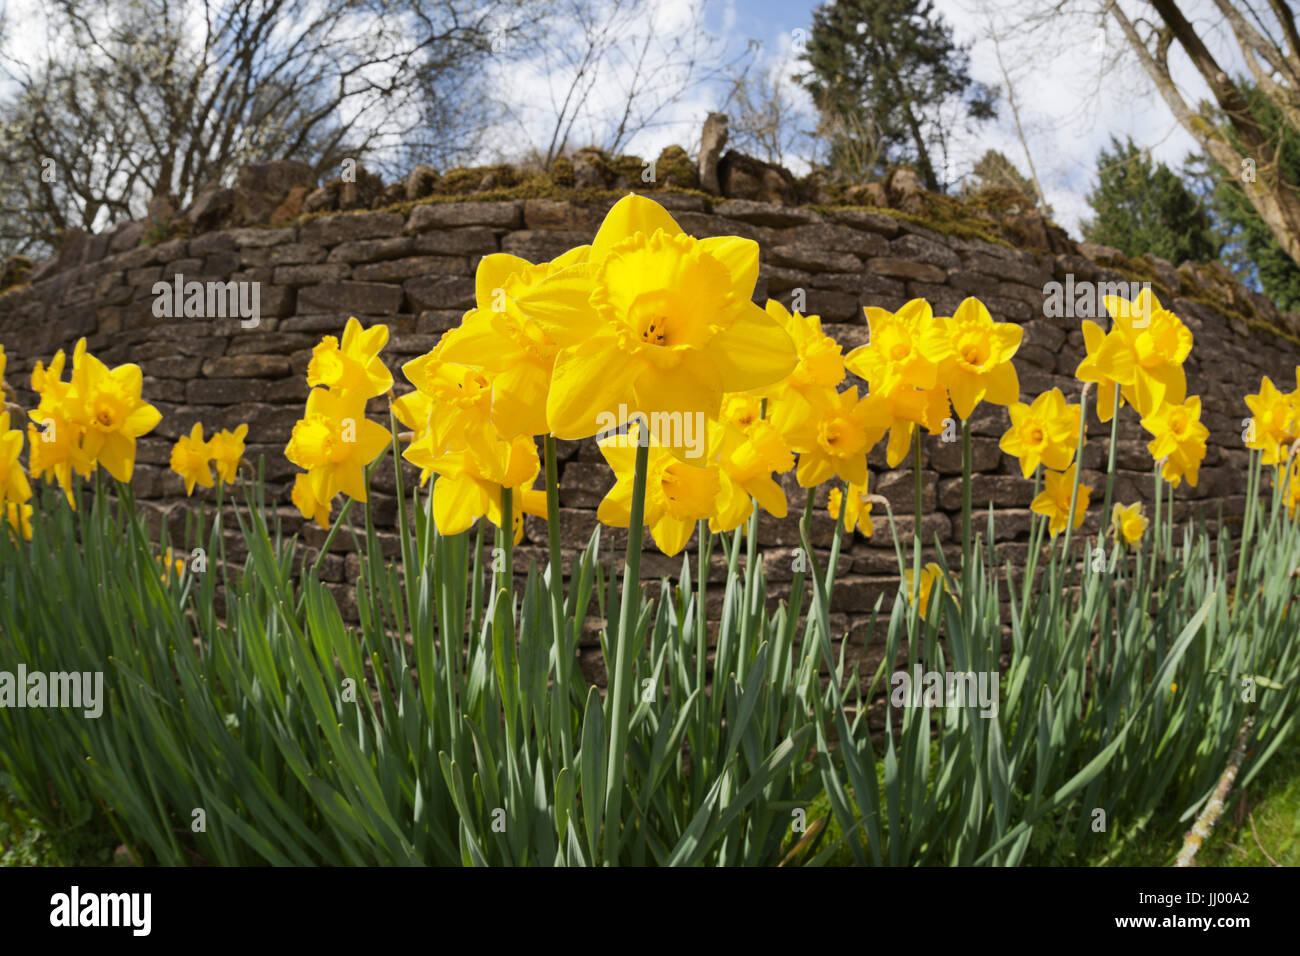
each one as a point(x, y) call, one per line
point(1110, 467)
point(335, 528)
point(624, 660)
point(508, 541)
point(704, 554)
point(1035, 547)
point(559, 627)
point(1248, 519)
point(1078, 470)
point(916, 468)
point(1156, 534)
point(965, 504)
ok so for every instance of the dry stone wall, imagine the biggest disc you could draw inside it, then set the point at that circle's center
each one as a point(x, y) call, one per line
point(414, 272)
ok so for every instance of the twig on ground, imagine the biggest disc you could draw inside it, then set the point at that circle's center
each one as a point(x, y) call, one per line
point(1204, 824)
point(1255, 833)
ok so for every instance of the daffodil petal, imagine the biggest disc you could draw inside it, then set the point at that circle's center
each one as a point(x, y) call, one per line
point(739, 255)
point(591, 380)
point(630, 215)
point(560, 305)
point(755, 351)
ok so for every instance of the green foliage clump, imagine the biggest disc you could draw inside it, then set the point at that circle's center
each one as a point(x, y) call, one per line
point(1142, 207)
point(15, 272)
point(466, 180)
point(25, 841)
point(997, 185)
point(628, 167)
point(674, 167)
point(562, 171)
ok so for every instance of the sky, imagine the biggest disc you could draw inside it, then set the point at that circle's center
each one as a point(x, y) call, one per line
point(1073, 95)
point(1069, 112)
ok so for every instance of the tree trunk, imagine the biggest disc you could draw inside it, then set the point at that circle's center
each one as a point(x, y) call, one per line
point(1274, 199)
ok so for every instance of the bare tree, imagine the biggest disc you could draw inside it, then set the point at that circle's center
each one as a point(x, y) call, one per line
point(1233, 137)
point(138, 98)
point(1223, 123)
point(612, 73)
point(994, 33)
point(767, 117)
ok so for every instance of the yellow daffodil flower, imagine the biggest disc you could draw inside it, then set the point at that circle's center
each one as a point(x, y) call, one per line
point(55, 450)
point(1045, 433)
point(894, 359)
point(857, 514)
point(1294, 399)
point(459, 406)
point(1179, 439)
point(820, 366)
point(305, 500)
point(1128, 523)
point(678, 494)
point(499, 337)
point(413, 410)
point(930, 574)
point(56, 446)
point(108, 407)
point(897, 366)
point(335, 442)
point(353, 365)
point(192, 459)
point(227, 451)
point(909, 408)
point(654, 321)
point(14, 485)
point(19, 515)
point(742, 409)
point(469, 486)
point(1090, 371)
point(835, 440)
point(168, 563)
point(1274, 423)
point(731, 508)
point(974, 356)
point(1293, 486)
point(750, 458)
point(1144, 352)
point(1054, 500)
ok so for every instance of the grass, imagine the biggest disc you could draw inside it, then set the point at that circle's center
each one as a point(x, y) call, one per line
point(1262, 826)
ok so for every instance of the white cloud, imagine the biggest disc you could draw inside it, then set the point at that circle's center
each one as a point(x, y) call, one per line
point(1070, 106)
point(1069, 110)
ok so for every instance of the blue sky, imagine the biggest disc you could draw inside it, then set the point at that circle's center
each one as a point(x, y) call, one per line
point(1075, 85)
point(1070, 102)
